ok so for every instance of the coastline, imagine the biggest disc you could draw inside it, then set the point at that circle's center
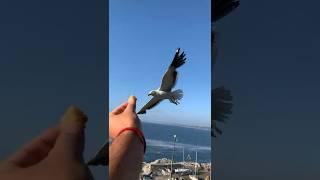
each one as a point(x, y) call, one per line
point(160, 169)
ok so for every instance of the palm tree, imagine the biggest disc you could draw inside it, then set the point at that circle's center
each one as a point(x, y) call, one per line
point(221, 97)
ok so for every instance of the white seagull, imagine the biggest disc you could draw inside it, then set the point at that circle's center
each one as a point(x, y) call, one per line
point(164, 92)
point(169, 80)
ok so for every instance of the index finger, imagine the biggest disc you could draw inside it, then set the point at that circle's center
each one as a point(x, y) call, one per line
point(35, 151)
point(120, 108)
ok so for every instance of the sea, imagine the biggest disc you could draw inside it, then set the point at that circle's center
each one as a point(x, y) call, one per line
point(191, 143)
point(159, 139)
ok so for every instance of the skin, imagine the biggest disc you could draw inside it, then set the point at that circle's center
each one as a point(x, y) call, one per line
point(126, 150)
point(58, 152)
point(55, 154)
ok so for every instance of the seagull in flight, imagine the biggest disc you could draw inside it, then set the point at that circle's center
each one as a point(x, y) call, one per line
point(164, 92)
point(169, 80)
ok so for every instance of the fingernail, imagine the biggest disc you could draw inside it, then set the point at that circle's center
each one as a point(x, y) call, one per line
point(72, 115)
point(132, 99)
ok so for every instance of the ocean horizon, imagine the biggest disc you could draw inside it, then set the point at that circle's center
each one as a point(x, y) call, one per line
point(189, 140)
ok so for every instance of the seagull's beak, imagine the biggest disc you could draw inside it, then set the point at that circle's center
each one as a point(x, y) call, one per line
point(149, 94)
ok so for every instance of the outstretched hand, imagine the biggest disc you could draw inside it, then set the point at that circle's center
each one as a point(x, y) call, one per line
point(123, 116)
point(126, 151)
point(55, 154)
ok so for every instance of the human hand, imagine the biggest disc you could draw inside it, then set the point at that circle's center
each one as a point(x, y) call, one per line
point(56, 154)
point(123, 116)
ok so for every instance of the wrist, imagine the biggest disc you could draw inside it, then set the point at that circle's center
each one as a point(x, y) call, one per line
point(131, 131)
point(115, 132)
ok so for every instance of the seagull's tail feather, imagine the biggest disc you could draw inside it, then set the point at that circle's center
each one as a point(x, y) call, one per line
point(179, 59)
point(178, 94)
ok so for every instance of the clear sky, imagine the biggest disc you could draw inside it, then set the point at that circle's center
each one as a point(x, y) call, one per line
point(269, 59)
point(143, 38)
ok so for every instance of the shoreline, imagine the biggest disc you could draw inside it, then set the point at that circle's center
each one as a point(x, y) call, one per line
point(160, 169)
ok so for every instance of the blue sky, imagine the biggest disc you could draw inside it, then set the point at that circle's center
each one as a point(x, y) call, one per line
point(143, 37)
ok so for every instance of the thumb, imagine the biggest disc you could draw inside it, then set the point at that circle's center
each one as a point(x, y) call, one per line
point(131, 107)
point(70, 142)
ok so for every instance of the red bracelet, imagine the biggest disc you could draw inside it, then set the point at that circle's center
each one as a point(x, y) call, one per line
point(138, 133)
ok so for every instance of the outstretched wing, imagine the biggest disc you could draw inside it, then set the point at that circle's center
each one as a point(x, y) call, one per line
point(101, 157)
point(169, 79)
point(221, 8)
point(152, 103)
point(221, 108)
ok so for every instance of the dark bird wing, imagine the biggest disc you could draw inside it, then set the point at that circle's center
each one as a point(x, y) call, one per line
point(221, 108)
point(152, 103)
point(221, 8)
point(101, 157)
point(169, 79)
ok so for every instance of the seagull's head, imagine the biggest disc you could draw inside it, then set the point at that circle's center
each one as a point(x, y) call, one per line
point(152, 93)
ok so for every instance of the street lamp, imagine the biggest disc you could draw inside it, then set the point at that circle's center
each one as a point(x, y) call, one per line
point(183, 154)
point(172, 159)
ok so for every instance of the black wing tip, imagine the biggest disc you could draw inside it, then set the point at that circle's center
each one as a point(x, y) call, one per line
point(179, 59)
point(223, 8)
point(141, 112)
point(92, 163)
point(97, 162)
